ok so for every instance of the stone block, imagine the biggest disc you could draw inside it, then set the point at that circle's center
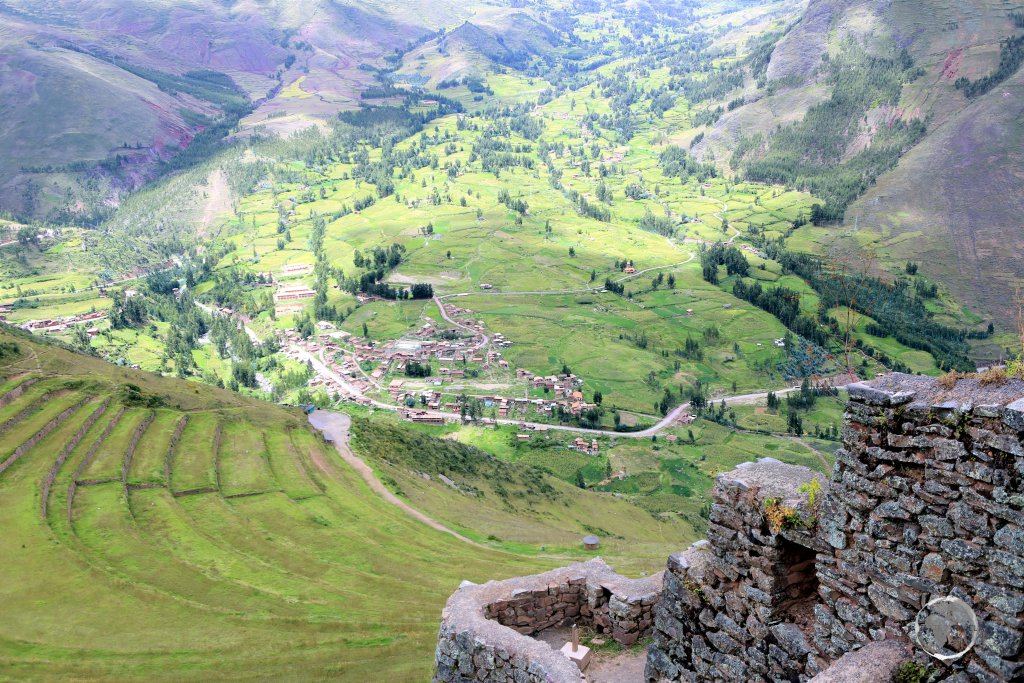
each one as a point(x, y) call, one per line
point(876, 661)
point(872, 396)
point(948, 449)
point(887, 604)
point(936, 526)
point(962, 550)
point(1013, 415)
point(580, 656)
point(967, 520)
point(933, 567)
point(791, 639)
point(723, 642)
point(1010, 538)
point(1000, 640)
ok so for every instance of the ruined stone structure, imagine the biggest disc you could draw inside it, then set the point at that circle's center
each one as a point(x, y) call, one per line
point(925, 502)
point(485, 630)
point(736, 606)
point(801, 578)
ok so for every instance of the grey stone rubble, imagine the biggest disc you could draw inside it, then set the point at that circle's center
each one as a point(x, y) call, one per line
point(926, 501)
point(485, 630)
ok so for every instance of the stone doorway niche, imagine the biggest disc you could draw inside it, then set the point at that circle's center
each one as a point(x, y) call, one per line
point(799, 583)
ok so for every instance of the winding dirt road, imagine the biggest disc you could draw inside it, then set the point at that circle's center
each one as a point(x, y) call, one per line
point(335, 426)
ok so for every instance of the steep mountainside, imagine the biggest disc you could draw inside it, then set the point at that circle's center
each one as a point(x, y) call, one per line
point(97, 97)
point(492, 39)
point(860, 85)
point(954, 202)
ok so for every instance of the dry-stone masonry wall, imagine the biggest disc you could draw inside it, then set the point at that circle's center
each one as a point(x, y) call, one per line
point(925, 502)
point(738, 606)
point(803, 579)
point(485, 629)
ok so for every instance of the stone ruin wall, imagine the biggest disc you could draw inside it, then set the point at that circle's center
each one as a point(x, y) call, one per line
point(485, 630)
point(926, 501)
point(737, 606)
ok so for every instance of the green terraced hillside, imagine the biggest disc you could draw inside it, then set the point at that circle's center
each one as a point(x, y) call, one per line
point(173, 531)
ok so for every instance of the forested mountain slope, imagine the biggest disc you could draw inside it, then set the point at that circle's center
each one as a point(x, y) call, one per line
point(917, 107)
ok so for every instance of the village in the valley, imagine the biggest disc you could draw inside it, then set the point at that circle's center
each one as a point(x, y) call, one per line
point(442, 373)
point(446, 371)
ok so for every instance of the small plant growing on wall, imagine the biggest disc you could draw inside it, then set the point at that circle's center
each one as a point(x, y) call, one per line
point(912, 672)
point(779, 516)
point(696, 589)
point(812, 489)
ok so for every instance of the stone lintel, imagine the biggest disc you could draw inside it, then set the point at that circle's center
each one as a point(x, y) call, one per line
point(966, 395)
point(771, 478)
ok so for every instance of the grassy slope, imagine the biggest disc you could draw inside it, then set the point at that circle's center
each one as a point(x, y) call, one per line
point(496, 505)
point(953, 205)
point(141, 584)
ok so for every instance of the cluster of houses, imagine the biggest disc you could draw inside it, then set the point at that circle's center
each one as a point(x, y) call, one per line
point(502, 406)
point(329, 344)
point(421, 348)
point(393, 356)
point(63, 323)
point(423, 417)
point(615, 156)
point(579, 444)
point(457, 354)
point(563, 386)
point(583, 446)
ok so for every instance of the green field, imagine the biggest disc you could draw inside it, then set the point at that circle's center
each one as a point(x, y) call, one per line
point(574, 177)
point(315, 577)
point(628, 346)
point(266, 556)
point(669, 476)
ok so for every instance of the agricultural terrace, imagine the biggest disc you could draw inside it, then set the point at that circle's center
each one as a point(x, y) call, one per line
point(199, 533)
